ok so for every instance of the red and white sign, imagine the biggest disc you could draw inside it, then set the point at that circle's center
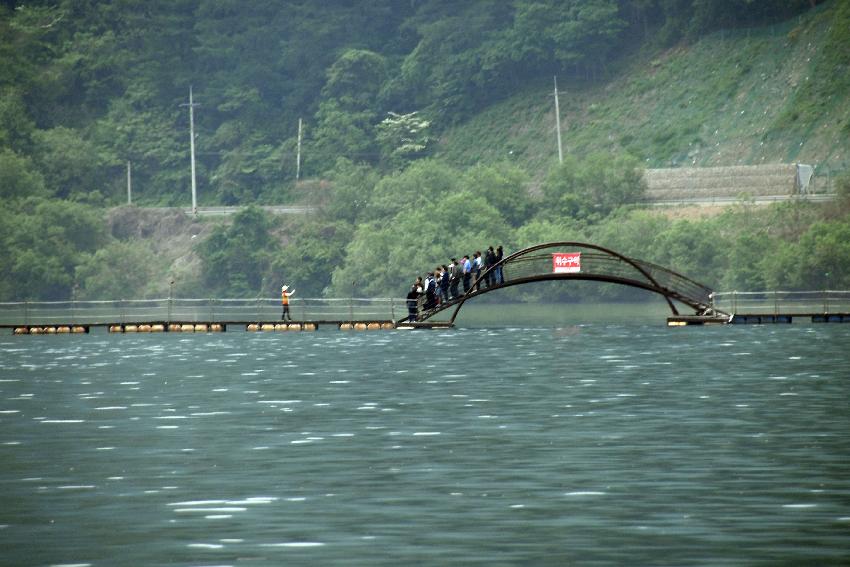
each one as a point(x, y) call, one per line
point(566, 262)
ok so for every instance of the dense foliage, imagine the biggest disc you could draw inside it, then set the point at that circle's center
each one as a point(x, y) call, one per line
point(237, 258)
point(43, 242)
point(87, 86)
point(419, 218)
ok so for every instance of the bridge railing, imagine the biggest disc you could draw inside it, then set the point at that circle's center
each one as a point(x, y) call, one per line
point(198, 310)
point(601, 263)
point(783, 302)
point(677, 283)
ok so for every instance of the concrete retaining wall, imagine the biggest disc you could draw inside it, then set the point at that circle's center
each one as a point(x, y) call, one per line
point(711, 182)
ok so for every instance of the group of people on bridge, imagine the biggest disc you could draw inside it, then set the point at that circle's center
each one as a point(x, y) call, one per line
point(443, 284)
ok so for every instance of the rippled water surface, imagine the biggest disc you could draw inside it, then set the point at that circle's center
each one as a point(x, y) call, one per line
point(586, 445)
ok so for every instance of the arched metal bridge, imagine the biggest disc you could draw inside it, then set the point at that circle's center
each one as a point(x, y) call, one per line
point(583, 261)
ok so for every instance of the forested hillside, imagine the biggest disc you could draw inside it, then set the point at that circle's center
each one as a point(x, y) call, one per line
point(428, 131)
point(774, 93)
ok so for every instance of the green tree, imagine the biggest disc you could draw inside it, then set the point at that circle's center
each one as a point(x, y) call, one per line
point(746, 253)
point(564, 33)
point(356, 78)
point(72, 166)
point(140, 132)
point(341, 133)
point(443, 72)
point(120, 270)
point(347, 115)
point(780, 268)
point(820, 260)
point(503, 186)
point(236, 259)
point(16, 127)
point(403, 137)
point(594, 187)
point(312, 36)
point(44, 242)
point(385, 257)
point(633, 233)
point(539, 231)
point(308, 262)
point(249, 166)
point(350, 190)
point(423, 182)
point(695, 249)
point(18, 177)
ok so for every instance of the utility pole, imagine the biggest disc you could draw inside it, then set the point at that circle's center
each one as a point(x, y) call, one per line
point(192, 106)
point(558, 123)
point(298, 155)
point(129, 185)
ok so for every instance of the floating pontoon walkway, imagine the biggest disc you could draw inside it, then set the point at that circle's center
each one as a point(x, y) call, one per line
point(218, 327)
point(376, 325)
point(198, 327)
point(757, 319)
point(553, 261)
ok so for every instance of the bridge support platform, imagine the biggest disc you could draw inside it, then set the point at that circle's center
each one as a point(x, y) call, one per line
point(423, 325)
point(686, 320)
point(756, 319)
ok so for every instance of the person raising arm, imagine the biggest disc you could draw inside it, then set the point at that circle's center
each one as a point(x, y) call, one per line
point(285, 294)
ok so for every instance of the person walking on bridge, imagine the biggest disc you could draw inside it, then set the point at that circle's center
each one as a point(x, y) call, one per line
point(489, 262)
point(413, 302)
point(477, 265)
point(454, 278)
point(499, 276)
point(285, 294)
point(430, 291)
point(444, 283)
point(467, 273)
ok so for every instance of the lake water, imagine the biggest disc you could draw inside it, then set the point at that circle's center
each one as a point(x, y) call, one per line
point(599, 444)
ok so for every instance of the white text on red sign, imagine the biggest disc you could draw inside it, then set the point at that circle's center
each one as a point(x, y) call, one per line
point(566, 262)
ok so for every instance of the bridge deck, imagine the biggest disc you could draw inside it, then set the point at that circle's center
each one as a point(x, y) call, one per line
point(224, 324)
point(218, 326)
point(757, 319)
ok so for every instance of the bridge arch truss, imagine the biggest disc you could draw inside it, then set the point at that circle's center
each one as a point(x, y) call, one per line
point(535, 264)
